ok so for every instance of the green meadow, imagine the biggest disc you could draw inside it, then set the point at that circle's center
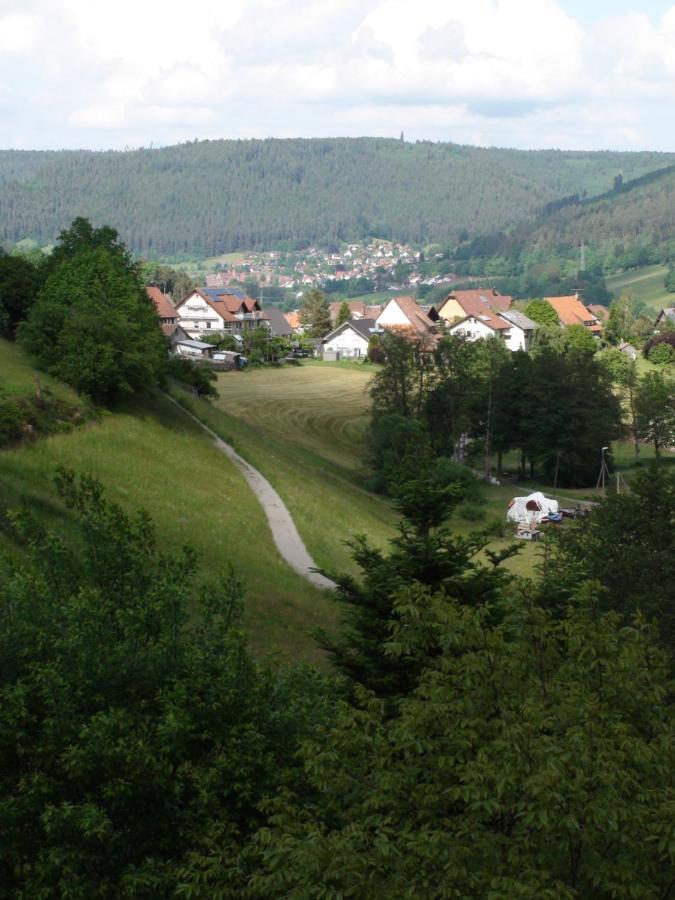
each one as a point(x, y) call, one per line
point(644, 284)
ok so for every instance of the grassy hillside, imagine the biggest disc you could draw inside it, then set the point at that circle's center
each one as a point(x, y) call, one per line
point(301, 428)
point(645, 283)
point(209, 197)
point(150, 455)
point(18, 376)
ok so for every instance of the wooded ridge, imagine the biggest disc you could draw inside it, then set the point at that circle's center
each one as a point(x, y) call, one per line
point(207, 197)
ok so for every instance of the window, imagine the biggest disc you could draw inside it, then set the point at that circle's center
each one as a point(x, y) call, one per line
point(208, 324)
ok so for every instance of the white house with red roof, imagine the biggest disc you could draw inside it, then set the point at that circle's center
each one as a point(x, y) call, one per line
point(168, 316)
point(219, 311)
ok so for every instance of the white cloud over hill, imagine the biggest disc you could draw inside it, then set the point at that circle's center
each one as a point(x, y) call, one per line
point(525, 73)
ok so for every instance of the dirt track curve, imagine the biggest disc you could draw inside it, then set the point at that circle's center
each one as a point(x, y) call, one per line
point(289, 543)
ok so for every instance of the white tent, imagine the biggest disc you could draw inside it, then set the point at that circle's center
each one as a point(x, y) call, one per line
point(531, 509)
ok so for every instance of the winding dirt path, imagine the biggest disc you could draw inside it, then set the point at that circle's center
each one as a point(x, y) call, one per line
point(289, 543)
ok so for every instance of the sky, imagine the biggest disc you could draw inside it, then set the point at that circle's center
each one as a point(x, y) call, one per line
point(573, 74)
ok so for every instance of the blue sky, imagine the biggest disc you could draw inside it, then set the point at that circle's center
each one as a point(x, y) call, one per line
point(520, 73)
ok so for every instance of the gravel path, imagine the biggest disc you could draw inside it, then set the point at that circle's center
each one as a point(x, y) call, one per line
point(285, 534)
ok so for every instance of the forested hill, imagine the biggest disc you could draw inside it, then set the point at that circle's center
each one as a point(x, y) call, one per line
point(632, 224)
point(207, 197)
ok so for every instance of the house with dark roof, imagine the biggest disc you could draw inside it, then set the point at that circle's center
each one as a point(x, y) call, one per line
point(349, 340)
point(665, 320)
point(522, 329)
point(278, 323)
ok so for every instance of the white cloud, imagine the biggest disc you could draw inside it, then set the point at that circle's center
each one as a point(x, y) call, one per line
point(18, 33)
point(506, 71)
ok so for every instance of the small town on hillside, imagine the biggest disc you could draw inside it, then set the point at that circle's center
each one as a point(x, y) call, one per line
point(386, 265)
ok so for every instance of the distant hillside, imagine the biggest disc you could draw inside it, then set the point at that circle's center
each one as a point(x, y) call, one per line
point(641, 211)
point(632, 225)
point(206, 197)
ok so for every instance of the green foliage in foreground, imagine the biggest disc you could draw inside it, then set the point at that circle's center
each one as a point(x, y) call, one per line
point(628, 546)
point(424, 552)
point(534, 759)
point(133, 734)
point(144, 754)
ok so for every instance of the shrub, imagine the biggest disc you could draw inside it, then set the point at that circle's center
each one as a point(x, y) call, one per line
point(189, 373)
point(11, 421)
point(471, 512)
point(662, 353)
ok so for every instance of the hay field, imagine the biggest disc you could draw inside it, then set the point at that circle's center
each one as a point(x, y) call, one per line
point(322, 408)
point(645, 284)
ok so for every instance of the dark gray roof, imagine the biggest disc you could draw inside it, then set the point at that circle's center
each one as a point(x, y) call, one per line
point(215, 294)
point(517, 318)
point(279, 326)
point(196, 345)
point(364, 327)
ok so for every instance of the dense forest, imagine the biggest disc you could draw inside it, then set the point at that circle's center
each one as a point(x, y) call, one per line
point(207, 197)
point(631, 225)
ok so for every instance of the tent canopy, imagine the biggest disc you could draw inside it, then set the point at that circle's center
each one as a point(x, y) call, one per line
point(532, 508)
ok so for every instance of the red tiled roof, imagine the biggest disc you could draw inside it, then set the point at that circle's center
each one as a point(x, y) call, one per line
point(163, 303)
point(600, 312)
point(571, 311)
point(472, 301)
point(488, 318)
point(418, 319)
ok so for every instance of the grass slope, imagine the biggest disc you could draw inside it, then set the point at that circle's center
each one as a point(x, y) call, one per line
point(18, 376)
point(302, 428)
point(149, 455)
point(644, 284)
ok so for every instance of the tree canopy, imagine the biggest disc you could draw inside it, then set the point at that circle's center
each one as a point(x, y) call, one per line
point(92, 324)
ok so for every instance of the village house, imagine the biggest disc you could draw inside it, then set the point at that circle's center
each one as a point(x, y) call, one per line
point(168, 315)
point(665, 319)
point(219, 311)
point(485, 325)
point(601, 313)
point(460, 304)
point(404, 313)
point(571, 311)
point(349, 340)
point(629, 350)
point(521, 332)
point(357, 310)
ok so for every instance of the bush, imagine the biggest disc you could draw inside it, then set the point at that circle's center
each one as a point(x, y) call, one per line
point(11, 421)
point(188, 372)
point(662, 354)
point(450, 472)
point(471, 512)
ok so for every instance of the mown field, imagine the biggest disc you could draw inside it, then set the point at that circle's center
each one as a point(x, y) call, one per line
point(644, 284)
point(150, 455)
point(303, 428)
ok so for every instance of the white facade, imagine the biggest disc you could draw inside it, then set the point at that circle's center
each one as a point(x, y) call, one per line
point(392, 316)
point(197, 318)
point(472, 329)
point(518, 338)
point(348, 343)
